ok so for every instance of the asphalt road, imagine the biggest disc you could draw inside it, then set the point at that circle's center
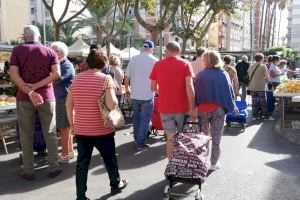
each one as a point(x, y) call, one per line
point(255, 165)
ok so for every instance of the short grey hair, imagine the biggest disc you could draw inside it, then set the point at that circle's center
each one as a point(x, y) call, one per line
point(244, 58)
point(60, 46)
point(31, 32)
point(173, 47)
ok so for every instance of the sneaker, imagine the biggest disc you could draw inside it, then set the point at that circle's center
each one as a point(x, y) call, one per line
point(215, 167)
point(122, 185)
point(55, 173)
point(269, 118)
point(64, 159)
point(143, 147)
point(27, 176)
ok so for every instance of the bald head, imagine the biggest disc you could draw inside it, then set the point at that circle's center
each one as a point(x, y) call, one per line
point(173, 49)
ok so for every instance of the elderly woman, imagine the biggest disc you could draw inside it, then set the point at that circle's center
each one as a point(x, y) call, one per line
point(87, 124)
point(61, 89)
point(115, 63)
point(232, 73)
point(214, 98)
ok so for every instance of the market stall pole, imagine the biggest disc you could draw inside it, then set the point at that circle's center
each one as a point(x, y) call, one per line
point(282, 96)
point(288, 89)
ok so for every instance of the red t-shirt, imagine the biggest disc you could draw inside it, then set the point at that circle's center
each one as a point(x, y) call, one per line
point(86, 91)
point(34, 62)
point(170, 74)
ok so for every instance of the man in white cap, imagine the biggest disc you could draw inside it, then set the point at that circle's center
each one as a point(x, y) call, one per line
point(242, 74)
point(137, 73)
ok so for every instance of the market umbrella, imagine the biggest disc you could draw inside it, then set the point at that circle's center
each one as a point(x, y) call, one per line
point(79, 48)
point(128, 53)
point(113, 50)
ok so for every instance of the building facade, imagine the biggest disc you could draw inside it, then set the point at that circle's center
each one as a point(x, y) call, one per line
point(294, 25)
point(14, 15)
point(38, 13)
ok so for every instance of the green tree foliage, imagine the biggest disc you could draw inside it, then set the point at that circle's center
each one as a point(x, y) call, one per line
point(283, 51)
point(62, 20)
point(49, 32)
point(169, 9)
point(105, 22)
point(68, 30)
point(212, 9)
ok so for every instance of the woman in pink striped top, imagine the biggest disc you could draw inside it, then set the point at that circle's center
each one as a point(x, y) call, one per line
point(87, 124)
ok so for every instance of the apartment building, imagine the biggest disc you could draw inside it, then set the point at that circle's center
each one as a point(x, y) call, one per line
point(294, 25)
point(14, 15)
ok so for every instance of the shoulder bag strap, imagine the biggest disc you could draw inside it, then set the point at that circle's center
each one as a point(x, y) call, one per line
point(253, 73)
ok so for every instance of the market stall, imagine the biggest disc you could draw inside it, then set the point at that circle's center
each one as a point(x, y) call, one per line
point(8, 117)
point(287, 91)
point(79, 49)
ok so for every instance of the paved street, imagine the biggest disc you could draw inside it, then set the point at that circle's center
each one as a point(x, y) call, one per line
point(255, 165)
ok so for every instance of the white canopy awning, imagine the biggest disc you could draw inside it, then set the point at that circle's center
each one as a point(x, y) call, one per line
point(113, 50)
point(128, 53)
point(79, 48)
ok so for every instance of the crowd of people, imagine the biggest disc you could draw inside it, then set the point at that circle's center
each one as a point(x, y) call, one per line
point(207, 87)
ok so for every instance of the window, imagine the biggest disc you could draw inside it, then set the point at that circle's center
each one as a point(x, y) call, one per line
point(32, 11)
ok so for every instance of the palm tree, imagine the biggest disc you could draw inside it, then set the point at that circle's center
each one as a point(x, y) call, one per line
point(49, 32)
point(282, 4)
point(266, 26)
point(98, 21)
point(68, 30)
point(272, 25)
point(263, 16)
point(105, 23)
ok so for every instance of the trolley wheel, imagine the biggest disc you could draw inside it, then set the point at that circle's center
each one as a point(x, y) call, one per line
point(198, 195)
point(166, 195)
point(243, 126)
point(228, 124)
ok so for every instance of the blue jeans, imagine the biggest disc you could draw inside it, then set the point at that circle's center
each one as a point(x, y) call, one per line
point(142, 111)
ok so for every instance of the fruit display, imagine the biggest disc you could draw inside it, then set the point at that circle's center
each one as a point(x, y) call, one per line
point(7, 101)
point(289, 86)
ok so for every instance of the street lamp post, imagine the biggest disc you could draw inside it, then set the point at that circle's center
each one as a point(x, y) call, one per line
point(44, 25)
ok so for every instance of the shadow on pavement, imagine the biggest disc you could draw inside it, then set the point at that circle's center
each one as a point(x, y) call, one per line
point(286, 184)
point(12, 183)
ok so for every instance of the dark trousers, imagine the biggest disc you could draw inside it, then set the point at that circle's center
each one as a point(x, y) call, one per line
point(272, 86)
point(106, 146)
point(259, 104)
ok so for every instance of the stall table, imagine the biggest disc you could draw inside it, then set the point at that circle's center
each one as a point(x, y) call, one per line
point(7, 119)
point(282, 96)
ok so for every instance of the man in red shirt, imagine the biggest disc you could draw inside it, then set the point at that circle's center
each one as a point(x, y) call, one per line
point(174, 78)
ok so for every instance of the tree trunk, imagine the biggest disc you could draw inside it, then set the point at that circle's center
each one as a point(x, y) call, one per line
point(264, 37)
point(183, 48)
point(154, 36)
point(278, 36)
point(270, 25)
point(107, 42)
point(57, 32)
point(263, 16)
point(273, 29)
